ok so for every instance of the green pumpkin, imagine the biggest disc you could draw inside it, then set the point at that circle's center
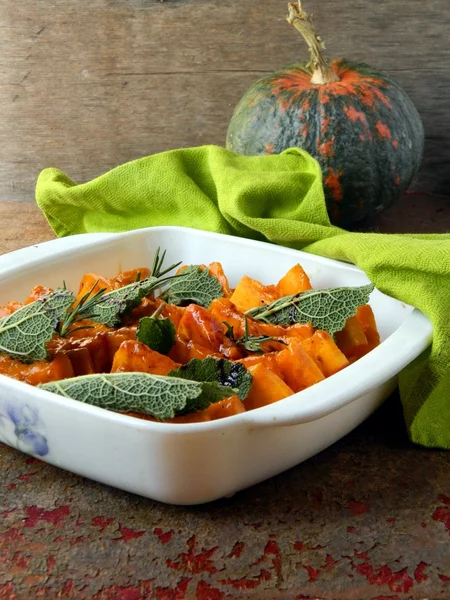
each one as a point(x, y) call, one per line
point(356, 121)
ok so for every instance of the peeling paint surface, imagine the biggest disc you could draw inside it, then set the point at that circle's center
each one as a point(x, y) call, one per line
point(367, 519)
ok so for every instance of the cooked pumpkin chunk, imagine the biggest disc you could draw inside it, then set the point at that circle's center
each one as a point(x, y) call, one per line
point(9, 308)
point(96, 341)
point(352, 340)
point(298, 369)
point(92, 283)
point(128, 277)
point(250, 293)
point(218, 410)
point(134, 356)
point(216, 269)
point(225, 408)
point(183, 351)
point(115, 338)
point(295, 281)
point(297, 330)
point(40, 371)
point(266, 388)
point(59, 368)
point(81, 360)
point(366, 318)
point(197, 325)
point(283, 333)
point(325, 353)
point(224, 311)
point(268, 360)
point(37, 292)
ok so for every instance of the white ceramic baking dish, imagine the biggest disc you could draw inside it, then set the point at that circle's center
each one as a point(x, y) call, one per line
point(196, 463)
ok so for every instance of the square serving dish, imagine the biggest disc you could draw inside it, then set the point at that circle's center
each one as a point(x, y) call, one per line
point(198, 462)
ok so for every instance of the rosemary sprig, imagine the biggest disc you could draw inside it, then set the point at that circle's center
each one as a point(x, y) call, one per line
point(158, 263)
point(110, 305)
point(251, 343)
point(82, 309)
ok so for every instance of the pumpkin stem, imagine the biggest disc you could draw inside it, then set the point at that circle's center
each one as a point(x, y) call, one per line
point(322, 71)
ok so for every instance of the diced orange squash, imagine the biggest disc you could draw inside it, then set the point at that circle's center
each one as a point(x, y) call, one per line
point(99, 350)
point(201, 416)
point(43, 372)
point(40, 371)
point(81, 361)
point(325, 353)
point(127, 277)
point(352, 340)
point(216, 269)
point(250, 293)
point(266, 388)
point(366, 318)
point(300, 331)
point(183, 267)
point(298, 369)
point(224, 311)
point(37, 292)
point(198, 325)
point(268, 360)
point(295, 281)
point(225, 408)
point(146, 308)
point(269, 329)
point(94, 340)
point(231, 351)
point(115, 338)
point(282, 333)
point(134, 356)
point(12, 367)
point(92, 329)
point(11, 307)
point(180, 351)
point(218, 410)
point(91, 282)
point(183, 351)
point(172, 312)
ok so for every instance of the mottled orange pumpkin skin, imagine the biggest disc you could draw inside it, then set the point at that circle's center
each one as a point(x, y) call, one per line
point(364, 131)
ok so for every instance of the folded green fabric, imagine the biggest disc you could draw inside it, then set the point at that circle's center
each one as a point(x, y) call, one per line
point(279, 199)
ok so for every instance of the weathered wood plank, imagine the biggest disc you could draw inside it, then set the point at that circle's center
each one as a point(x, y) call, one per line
point(22, 224)
point(87, 86)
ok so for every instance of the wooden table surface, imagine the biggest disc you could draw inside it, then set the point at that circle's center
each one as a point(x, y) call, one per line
point(367, 519)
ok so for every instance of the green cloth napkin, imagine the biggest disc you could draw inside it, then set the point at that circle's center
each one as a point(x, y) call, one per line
point(280, 199)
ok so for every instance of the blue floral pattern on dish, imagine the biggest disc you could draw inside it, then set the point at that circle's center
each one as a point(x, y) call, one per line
point(22, 423)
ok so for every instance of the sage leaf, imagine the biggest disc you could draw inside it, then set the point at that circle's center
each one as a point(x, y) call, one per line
point(326, 309)
point(57, 302)
point(195, 285)
point(112, 305)
point(154, 395)
point(24, 334)
point(221, 371)
point(156, 333)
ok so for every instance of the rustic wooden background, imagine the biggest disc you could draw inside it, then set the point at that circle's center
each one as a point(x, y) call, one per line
point(85, 86)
